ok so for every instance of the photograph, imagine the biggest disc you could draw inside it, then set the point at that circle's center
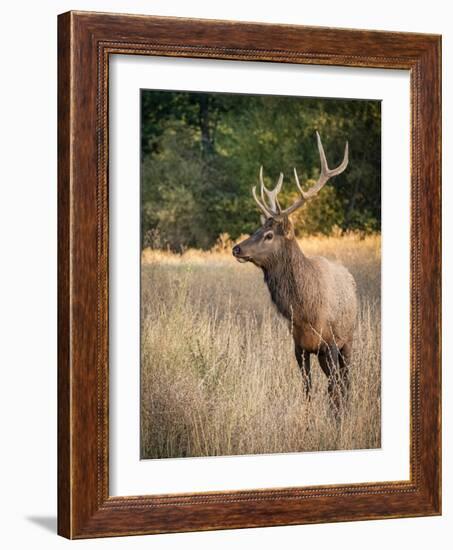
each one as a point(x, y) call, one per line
point(260, 274)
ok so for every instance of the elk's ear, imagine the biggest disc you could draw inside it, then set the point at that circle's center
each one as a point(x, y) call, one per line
point(263, 219)
point(288, 228)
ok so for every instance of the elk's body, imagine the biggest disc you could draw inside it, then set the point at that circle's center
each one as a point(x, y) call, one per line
point(316, 295)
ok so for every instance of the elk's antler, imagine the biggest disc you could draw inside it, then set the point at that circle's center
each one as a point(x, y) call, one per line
point(324, 177)
point(273, 209)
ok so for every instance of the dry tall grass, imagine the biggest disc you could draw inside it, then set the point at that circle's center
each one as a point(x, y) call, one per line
point(219, 376)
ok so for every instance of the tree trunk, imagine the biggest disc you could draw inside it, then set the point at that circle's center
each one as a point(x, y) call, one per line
point(204, 120)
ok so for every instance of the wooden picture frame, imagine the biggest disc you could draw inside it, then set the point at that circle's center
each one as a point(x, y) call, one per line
point(85, 42)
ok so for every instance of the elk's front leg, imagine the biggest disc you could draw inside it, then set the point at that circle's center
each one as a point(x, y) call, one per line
point(303, 360)
point(328, 360)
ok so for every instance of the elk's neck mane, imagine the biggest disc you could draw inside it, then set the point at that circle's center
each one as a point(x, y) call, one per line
point(293, 283)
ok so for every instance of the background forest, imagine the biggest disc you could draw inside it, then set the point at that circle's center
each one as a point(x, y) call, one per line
point(201, 154)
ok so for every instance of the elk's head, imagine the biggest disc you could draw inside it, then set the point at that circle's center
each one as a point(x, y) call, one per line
point(267, 241)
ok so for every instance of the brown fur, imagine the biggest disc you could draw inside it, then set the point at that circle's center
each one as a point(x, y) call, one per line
point(316, 295)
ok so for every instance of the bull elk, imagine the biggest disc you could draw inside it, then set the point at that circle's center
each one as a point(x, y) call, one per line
point(317, 296)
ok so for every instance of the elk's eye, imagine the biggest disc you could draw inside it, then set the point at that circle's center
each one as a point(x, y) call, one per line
point(269, 236)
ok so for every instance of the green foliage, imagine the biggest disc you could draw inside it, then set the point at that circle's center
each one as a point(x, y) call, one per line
point(322, 215)
point(201, 154)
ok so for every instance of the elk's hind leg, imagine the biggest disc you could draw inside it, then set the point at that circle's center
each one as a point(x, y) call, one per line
point(344, 361)
point(303, 360)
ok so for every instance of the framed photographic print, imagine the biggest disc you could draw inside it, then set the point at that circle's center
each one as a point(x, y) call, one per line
point(249, 275)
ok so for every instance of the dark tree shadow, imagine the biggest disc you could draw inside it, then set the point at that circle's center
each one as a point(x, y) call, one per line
point(49, 523)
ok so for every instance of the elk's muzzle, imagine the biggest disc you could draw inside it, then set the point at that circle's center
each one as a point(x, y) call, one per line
point(237, 253)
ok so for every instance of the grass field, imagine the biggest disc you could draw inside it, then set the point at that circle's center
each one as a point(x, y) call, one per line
point(219, 376)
